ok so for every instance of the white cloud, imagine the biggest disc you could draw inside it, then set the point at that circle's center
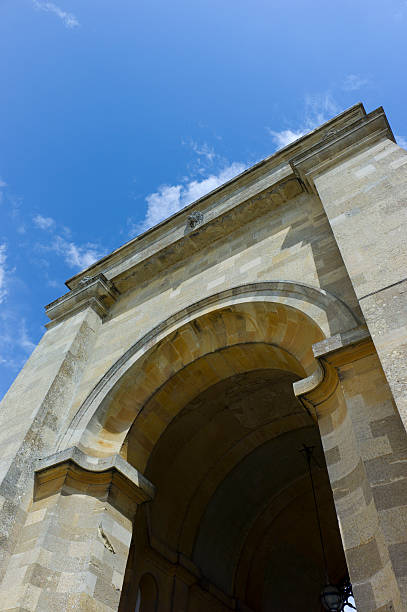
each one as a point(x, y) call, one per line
point(168, 199)
point(318, 109)
point(402, 142)
point(76, 256)
point(353, 82)
point(69, 20)
point(44, 223)
point(3, 257)
point(286, 137)
point(2, 183)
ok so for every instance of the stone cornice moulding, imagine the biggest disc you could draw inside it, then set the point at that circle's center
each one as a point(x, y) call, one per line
point(338, 145)
point(95, 292)
point(140, 260)
point(78, 472)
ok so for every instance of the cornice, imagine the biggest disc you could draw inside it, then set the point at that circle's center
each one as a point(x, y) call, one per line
point(256, 191)
point(73, 470)
point(339, 144)
point(95, 292)
point(194, 228)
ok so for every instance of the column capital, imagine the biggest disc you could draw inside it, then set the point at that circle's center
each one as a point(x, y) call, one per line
point(103, 477)
point(339, 143)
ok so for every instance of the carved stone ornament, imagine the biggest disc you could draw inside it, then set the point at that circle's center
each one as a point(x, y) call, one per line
point(329, 134)
point(195, 218)
point(85, 280)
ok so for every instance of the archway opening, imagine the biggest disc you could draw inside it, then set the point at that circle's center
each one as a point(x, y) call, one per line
point(207, 412)
point(234, 506)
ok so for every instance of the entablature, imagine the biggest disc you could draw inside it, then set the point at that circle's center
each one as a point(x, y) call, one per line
point(256, 191)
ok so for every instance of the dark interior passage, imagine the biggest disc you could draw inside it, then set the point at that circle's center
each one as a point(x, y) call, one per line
point(234, 499)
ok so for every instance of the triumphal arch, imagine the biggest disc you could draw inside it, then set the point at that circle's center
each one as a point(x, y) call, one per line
point(215, 418)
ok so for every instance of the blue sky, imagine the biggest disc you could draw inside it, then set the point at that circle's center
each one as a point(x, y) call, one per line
point(115, 114)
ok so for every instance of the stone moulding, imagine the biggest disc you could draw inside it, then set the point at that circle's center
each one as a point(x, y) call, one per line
point(95, 292)
point(275, 180)
point(73, 470)
point(224, 200)
point(150, 259)
point(331, 354)
point(270, 183)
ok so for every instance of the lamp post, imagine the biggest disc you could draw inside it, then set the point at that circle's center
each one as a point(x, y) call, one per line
point(333, 599)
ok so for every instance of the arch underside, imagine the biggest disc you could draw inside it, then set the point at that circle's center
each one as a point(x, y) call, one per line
point(210, 417)
point(234, 496)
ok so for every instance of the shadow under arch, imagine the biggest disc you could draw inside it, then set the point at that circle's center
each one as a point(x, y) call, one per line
point(288, 317)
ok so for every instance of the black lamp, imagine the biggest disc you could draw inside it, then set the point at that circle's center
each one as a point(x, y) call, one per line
point(333, 599)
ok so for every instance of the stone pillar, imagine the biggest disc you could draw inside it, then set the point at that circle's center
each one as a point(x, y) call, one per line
point(35, 410)
point(73, 550)
point(365, 447)
point(360, 175)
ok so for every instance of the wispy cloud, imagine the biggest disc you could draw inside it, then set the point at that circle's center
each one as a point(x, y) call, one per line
point(3, 258)
point(77, 256)
point(318, 109)
point(204, 150)
point(401, 11)
point(45, 223)
point(23, 339)
point(15, 342)
point(168, 199)
point(2, 185)
point(68, 19)
point(353, 82)
point(402, 142)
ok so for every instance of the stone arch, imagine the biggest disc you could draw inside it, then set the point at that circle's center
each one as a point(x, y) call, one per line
point(259, 329)
point(147, 594)
point(280, 318)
